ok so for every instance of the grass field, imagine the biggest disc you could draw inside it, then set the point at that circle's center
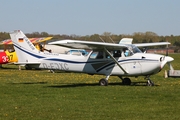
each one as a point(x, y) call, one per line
point(38, 94)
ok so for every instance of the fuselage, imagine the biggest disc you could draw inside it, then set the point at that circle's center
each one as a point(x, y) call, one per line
point(124, 60)
point(136, 64)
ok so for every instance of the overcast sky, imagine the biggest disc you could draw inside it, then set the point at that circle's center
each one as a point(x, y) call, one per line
point(87, 17)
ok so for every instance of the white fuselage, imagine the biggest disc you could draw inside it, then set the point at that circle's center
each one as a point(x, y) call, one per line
point(135, 65)
point(105, 58)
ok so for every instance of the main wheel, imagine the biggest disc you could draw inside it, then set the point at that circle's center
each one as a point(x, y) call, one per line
point(103, 82)
point(27, 67)
point(126, 81)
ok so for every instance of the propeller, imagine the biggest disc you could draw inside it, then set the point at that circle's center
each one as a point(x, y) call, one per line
point(167, 48)
point(168, 59)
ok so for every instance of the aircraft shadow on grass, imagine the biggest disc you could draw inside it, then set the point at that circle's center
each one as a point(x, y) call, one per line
point(30, 83)
point(82, 84)
point(96, 84)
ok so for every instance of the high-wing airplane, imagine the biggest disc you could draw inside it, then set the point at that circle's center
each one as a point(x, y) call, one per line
point(105, 58)
point(9, 54)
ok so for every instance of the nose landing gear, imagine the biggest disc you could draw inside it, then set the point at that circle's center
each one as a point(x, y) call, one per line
point(149, 82)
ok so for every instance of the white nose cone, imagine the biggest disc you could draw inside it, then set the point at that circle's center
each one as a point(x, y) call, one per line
point(168, 59)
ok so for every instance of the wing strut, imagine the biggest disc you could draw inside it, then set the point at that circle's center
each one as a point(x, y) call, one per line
point(115, 61)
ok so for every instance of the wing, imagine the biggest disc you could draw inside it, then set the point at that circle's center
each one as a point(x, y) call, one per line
point(129, 41)
point(93, 45)
point(87, 45)
point(151, 44)
point(33, 40)
point(39, 40)
point(99, 45)
point(7, 41)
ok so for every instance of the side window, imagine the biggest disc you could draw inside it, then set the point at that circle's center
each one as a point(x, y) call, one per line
point(116, 53)
point(100, 55)
point(127, 52)
point(97, 55)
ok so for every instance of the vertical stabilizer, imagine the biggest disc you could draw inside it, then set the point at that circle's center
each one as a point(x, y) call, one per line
point(26, 51)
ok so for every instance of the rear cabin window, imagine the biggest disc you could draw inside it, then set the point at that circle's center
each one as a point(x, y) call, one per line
point(101, 54)
point(97, 55)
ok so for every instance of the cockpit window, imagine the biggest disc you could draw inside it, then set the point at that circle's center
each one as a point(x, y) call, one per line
point(128, 51)
point(134, 49)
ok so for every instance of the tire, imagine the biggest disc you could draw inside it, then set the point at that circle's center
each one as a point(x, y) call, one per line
point(150, 83)
point(103, 82)
point(126, 81)
point(27, 67)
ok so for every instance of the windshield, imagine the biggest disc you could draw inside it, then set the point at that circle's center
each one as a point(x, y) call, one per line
point(134, 49)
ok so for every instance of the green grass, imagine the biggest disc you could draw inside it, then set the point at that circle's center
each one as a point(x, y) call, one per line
point(38, 94)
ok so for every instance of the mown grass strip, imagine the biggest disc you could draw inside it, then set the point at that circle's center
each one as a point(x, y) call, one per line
point(38, 94)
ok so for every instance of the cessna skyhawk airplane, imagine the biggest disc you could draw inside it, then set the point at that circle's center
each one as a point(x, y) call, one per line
point(122, 60)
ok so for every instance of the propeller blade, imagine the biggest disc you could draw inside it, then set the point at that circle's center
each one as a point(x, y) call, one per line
point(167, 50)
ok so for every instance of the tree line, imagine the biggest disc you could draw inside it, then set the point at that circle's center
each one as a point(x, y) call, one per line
point(138, 37)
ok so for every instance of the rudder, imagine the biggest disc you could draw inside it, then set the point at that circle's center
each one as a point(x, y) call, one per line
point(25, 50)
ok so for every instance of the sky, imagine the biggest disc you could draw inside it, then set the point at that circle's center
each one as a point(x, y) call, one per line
point(88, 17)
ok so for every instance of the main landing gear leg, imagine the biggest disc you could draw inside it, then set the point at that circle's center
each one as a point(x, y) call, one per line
point(104, 81)
point(149, 82)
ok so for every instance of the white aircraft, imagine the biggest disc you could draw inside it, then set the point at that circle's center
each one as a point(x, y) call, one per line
point(105, 58)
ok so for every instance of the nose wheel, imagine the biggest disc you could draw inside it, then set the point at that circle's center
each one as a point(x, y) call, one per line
point(150, 83)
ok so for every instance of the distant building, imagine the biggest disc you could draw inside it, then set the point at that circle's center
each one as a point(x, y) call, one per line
point(161, 51)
